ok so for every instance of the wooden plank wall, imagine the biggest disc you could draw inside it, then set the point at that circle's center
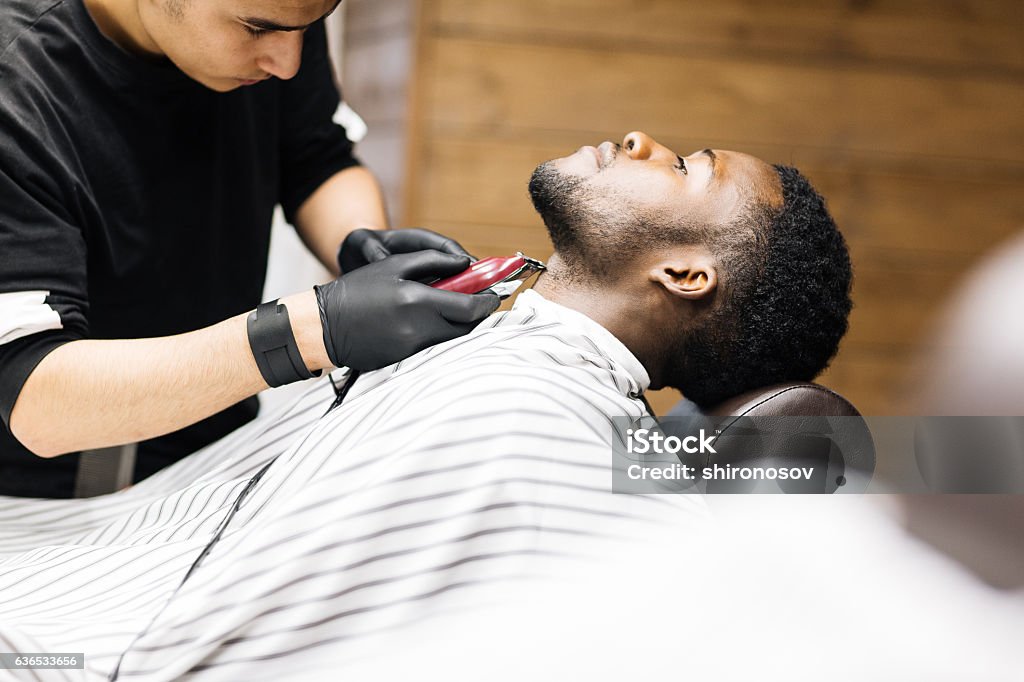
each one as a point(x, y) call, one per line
point(907, 114)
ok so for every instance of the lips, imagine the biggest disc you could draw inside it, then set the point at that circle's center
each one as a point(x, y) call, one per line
point(252, 81)
point(607, 152)
point(603, 155)
point(593, 152)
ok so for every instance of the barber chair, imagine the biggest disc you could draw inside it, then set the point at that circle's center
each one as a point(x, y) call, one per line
point(790, 400)
point(783, 426)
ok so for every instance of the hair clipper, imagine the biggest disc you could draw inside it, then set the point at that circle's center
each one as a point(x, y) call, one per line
point(502, 276)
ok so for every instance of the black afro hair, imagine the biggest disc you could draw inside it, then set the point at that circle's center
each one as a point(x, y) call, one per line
point(787, 304)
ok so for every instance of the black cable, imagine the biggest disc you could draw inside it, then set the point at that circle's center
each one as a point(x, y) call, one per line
point(199, 559)
point(341, 393)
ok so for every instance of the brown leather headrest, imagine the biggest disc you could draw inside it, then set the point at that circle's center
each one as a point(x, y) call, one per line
point(787, 400)
point(795, 424)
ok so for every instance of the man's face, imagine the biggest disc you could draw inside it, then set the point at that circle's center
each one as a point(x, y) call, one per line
point(227, 44)
point(603, 202)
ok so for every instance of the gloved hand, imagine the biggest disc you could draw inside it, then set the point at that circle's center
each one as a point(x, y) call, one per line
point(363, 247)
point(380, 314)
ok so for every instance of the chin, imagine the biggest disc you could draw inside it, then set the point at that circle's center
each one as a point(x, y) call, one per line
point(221, 84)
point(215, 84)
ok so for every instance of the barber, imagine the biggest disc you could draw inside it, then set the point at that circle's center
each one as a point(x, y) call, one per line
point(144, 145)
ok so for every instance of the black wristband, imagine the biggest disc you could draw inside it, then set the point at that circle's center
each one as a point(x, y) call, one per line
point(274, 347)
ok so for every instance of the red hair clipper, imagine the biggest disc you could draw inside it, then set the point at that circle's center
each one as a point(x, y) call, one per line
point(502, 276)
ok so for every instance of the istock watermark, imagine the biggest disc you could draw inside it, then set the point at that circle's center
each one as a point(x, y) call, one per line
point(644, 441)
point(652, 455)
point(743, 454)
point(717, 472)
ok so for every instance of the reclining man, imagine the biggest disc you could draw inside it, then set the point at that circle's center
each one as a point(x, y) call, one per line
point(445, 479)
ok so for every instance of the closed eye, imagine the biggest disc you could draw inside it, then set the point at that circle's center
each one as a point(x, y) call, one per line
point(253, 31)
point(682, 165)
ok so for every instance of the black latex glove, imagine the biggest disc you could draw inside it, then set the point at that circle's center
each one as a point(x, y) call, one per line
point(380, 314)
point(363, 247)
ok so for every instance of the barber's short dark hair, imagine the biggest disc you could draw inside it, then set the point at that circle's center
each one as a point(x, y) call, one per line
point(787, 301)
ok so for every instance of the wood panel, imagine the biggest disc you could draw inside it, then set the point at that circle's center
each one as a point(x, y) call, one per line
point(895, 303)
point(957, 35)
point(488, 87)
point(877, 383)
point(484, 240)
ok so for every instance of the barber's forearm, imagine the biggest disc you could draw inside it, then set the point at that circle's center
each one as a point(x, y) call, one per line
point(92, 394)
point(350, 200)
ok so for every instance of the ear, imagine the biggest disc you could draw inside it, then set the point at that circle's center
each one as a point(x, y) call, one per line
point(691, 278)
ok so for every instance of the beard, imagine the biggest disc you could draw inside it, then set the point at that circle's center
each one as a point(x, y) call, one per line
point(560, 200)
point(591, 239)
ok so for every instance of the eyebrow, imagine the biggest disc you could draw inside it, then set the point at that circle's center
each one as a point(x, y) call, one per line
point(267, 25)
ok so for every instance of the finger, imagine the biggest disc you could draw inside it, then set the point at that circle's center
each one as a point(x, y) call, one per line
point(464, 308)
point(360, 248)
point(427, 265)
point(418, 239)
point(373, 249)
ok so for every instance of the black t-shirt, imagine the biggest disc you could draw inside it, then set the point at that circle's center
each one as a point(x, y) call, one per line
point(136, 203)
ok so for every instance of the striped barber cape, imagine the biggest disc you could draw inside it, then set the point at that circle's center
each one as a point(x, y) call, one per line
point(441, 486)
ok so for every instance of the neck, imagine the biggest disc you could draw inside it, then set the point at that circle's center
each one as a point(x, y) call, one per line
point(612, 307)
point(119, 21)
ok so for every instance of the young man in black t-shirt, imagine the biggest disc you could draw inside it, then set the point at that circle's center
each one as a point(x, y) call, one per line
point(143, 147)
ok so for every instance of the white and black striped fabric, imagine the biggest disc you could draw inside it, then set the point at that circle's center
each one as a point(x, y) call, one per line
point(441, 483)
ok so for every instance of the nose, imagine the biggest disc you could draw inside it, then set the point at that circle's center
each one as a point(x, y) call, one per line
point(642, 147)
point(282, 55)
